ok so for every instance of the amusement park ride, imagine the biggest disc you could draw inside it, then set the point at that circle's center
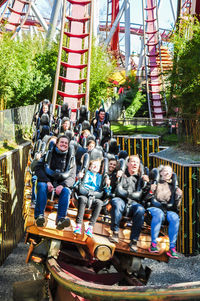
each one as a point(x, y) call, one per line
point(78, 263)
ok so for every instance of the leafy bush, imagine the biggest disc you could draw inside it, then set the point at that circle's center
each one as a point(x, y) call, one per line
point(185, 76)
point(102, 66)
point(134, 100)
point(27, 71)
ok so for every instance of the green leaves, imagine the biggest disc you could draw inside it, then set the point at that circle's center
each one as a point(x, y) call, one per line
point(27, 71)
point(102, 66)
point(186, 76)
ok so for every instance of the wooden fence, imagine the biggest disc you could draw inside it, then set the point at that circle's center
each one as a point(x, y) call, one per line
point(12, 169)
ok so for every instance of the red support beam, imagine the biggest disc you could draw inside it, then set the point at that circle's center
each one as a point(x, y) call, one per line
point(115, 38)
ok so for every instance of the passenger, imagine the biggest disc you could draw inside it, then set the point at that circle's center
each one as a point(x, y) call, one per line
point(98, 122)
point(165, 203)
point(65, 125)
point(90, 145)
point(113, 173)
point(91, 197)
point(44, 108)
point(81, 151)
point(128, 195)
point(85, 134)
point(62, 185)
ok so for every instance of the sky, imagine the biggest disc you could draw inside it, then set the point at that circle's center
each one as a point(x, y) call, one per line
point(166, 19)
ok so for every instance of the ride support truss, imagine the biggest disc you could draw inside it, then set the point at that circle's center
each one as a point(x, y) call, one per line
point(73, 65)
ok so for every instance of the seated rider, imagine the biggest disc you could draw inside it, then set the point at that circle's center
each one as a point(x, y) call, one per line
point(126, 202)
point(58, 177)
point(165, 200)
point(98, 122)
point(90, 194)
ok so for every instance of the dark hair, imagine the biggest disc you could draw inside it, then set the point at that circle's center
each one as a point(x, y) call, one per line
point(101, 110)
point(65, 119)
point(62, 136)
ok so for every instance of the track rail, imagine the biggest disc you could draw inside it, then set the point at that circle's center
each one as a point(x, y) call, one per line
point(18, 12)
point(92, 291)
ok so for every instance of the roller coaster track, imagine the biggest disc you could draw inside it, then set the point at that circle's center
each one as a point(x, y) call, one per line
point(136, 29)
point(17, 12)
point(72, 75)
point(152, 69)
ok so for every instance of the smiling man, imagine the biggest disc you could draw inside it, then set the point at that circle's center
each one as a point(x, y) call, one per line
point(126, 203)
point(59, 175)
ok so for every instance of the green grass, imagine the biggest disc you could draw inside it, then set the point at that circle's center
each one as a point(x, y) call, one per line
point(166, 138)
point(132, 129)
point(7, 146)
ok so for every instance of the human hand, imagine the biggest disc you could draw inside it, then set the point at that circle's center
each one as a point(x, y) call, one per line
point(119, 174)
point(50, 186)
point(145, 178)
point(153, 187)
point(107, 181)
point(179, 192)
point(80, 175)
point(59, 189)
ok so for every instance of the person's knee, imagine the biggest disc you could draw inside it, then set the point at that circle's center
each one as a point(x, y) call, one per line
point(82, 200)
point(140, 210)
point(173, 217)
point(99, 202)
point(66, 191)
point(41, 185)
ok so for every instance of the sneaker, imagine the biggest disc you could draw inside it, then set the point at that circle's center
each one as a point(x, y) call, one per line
point(133, 246)
point(40, 221)
point(115, 237)
point(153, 248)
point(63, 223)
point(78, 229)
point(89, 231)
point(172, 253)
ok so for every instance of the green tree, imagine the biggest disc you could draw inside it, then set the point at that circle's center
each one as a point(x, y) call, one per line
point(102, 66)
point(185, 78)
point(134, 100)
point(26, 71)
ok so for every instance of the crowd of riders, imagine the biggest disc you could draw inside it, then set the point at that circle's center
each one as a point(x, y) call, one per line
point(82, 159)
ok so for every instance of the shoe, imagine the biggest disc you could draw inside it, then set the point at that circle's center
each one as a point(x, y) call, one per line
point(153, 248)
point(78, 229)
point(133, 246)
point(63, 223)
point(172, 253)
point(40, 221)
point(89, 231)
point(115, 237)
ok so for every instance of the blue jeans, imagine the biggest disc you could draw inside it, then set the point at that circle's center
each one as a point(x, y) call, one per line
point(41, 201)
point(33, 195)
point(136, 212)
point(157, 218)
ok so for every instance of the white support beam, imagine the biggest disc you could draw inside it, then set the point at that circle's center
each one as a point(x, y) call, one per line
point(127, 36)
point(53, 20)
point(39, 16)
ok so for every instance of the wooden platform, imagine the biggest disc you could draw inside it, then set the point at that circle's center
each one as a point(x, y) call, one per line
point(101, 233)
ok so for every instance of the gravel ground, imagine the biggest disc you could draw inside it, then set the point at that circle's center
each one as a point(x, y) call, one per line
point(14, 269)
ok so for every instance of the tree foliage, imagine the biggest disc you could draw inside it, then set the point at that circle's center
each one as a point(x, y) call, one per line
point(102, 66)
point(134, 101)
point(185, 77)
point(27, 71)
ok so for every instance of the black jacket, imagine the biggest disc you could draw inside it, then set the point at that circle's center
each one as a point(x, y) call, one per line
point(58, 163)
point(130, 188)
